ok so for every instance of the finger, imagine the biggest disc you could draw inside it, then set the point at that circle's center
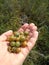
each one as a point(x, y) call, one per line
point(32, 24)
point(25, 26)
point(20, 30)
point(32, 27)
point(30, 34)
point(27, 30)
point(32, 40)
point(5, 35)
point(3, 38)
point(8, 33)
point(29, 26)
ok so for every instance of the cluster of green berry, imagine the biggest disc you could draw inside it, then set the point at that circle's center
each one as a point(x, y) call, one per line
point(18, 40)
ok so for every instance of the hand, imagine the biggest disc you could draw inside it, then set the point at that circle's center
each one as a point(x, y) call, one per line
point(7, 58)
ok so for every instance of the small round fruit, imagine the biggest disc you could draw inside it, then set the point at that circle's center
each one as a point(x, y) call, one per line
point(9, 49)
point(16, 34)
point(22, 38)
point(13, 49)
point(12, 38)
point(21, 33)
point(18, 50)
point(17, 39)
point(24, 44)
point(17, 44)
point(12, 44)
point(26, 33)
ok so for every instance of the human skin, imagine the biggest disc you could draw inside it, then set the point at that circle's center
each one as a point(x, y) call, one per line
point(7, 58)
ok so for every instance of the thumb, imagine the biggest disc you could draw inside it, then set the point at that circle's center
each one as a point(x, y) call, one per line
point(4, 36)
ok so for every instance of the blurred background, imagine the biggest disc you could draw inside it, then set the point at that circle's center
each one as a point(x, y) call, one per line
point(14, 13)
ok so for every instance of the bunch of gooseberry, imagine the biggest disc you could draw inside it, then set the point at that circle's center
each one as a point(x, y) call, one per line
point(17, 40)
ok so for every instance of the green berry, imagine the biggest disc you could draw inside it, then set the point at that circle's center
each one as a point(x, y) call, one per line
point(12, 38)
point(16, 34)
point(13, 49)
point(17, 44)
point(22, 38)
point(21, 33)
point(12, 44)
point(26, 33)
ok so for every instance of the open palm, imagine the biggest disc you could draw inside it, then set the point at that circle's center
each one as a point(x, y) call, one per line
point(7, 58)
